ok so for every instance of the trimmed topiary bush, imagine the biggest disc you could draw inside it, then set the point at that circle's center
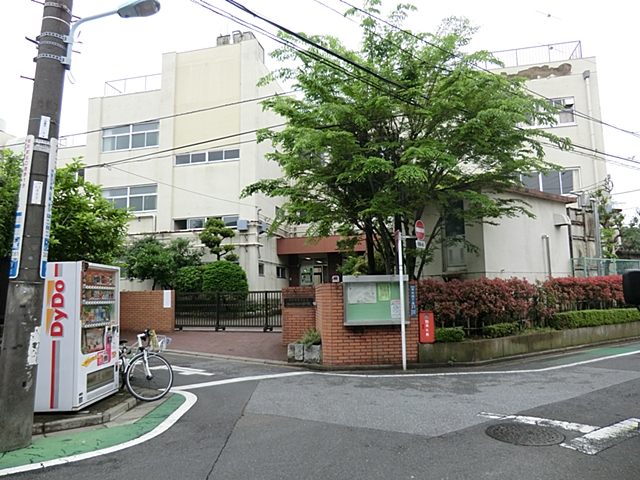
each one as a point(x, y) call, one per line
point(449, 335)
point(189, 279)
point(593, 318)
point(501, 330)
point(223, 276)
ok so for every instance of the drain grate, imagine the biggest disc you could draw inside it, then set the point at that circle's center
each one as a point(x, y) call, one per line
point(528, 435)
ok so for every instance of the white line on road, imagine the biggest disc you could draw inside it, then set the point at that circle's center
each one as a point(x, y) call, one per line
point(191, 371)
point(237, 380)
point(543, 422)
point(603, 438)
point(190, 400)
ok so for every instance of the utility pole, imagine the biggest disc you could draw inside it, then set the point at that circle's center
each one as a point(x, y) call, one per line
point(18, 358)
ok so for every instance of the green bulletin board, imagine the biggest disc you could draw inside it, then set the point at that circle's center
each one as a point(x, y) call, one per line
point(373, 300)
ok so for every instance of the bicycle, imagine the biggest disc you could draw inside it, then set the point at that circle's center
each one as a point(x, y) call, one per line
point(147, 375)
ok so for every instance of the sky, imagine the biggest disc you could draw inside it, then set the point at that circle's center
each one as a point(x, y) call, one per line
point(113, 48)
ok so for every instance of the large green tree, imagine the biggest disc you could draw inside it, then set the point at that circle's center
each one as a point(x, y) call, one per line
point(422, 129)
point(84, 225)
point(148, 258)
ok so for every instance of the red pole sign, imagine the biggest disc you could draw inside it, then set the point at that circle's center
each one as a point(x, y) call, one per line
point(419, 228)
point(427, 327)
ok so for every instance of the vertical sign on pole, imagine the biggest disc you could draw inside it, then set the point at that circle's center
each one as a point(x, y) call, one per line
point(48, 206)
point(16, 248)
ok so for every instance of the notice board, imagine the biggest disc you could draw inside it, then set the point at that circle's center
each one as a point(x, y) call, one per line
point(374, 300)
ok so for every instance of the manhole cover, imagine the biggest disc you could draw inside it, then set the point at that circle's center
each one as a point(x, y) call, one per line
point(520, 434)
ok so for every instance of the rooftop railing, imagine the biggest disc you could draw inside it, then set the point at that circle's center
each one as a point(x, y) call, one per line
point(132, 85)
point(553, 52)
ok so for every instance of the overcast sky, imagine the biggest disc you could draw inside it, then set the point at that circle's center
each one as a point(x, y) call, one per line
point(113, 48)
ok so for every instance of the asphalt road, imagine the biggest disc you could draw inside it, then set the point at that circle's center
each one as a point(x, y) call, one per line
point(379, 425)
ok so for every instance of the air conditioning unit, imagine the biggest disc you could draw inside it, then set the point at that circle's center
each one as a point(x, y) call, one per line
point(243, 225)
point(263, 227)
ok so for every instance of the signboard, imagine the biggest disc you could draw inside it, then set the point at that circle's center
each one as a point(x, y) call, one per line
point(419, 228)
point(421, 245)
point(16, 248)
point(372, 300)
point(299, 302)
point(413, 300)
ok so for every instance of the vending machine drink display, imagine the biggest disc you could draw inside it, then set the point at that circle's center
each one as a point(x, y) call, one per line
point(79, 335)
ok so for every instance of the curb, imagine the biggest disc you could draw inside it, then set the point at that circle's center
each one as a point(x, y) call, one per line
point(40, 428)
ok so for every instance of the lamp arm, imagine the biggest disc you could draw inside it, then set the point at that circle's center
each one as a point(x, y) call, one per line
point(69, 40)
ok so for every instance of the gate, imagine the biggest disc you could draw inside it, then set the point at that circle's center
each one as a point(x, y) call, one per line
point(229, 309)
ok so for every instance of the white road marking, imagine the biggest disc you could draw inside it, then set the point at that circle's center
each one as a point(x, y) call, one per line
point(190, 400)
point(603, 438)
point(237, 380)
point(543, 422)
point(594, 441)
point(191, 371)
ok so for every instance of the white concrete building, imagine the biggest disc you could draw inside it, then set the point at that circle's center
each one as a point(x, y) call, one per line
point(544, 246)
point(179, 148)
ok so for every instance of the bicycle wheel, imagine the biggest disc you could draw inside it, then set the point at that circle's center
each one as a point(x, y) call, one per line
point(149, 387)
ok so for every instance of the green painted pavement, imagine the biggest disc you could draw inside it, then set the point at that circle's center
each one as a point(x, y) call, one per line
point(51, 448)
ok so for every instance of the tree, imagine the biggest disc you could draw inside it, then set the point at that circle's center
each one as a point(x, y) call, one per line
point(366, 155)
point(150, 259)
point(224, 277)
point(84, 225)
point(10, 167)
point(611, 224)
point(630, 234)
point(212, 235)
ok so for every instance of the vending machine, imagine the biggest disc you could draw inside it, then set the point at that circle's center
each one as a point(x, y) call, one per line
point(79, 336)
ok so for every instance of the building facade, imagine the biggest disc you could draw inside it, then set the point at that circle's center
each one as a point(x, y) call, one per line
point(180, 147)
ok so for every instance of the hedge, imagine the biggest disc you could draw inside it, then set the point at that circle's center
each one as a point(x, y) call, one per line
point(593, 318)
point(449, 335)
point(501, 330)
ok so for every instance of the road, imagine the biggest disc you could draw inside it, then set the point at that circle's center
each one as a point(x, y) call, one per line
point(429, 424)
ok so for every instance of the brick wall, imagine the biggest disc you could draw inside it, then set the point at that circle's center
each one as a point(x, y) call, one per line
point(342, 346)
point(375, 345)
point(297, 320)
point(140, 310)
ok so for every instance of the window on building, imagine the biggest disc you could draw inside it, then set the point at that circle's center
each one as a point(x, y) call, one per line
point(230, 221)
point(454, 251)
point(281, 272)
point(261, 269)
point(139, 199)
point(126, 137)
point(564, 116)
point(561, 183)
point(203, 157)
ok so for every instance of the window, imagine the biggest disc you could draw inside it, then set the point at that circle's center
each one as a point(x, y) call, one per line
point(281, 272)
point(565, 115)
point(230, 221)
point(138, 135)
point(138, 199)
point(261, 269)
point(561, 183)
point(203, 157)
point(454, 251)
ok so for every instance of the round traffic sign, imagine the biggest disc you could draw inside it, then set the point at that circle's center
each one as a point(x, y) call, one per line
point(419, 228)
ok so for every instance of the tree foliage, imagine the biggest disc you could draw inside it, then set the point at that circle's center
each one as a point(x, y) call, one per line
point(212, 236)
point(84, 225)
point(10, 167)
point(151, 259)
point(611, 224)
point(224, 276)
point(366, 155)
point(630, 234)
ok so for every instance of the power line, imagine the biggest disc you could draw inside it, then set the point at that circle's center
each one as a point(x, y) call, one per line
point(453, 54)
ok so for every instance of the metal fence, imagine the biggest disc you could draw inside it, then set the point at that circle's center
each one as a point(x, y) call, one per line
point(222, 310)
point(598, 267)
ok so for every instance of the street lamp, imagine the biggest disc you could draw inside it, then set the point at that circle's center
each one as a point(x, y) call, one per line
point(21, 335)
point(134, 8)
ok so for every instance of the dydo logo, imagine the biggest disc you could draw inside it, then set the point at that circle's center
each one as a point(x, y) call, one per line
point(56, 315)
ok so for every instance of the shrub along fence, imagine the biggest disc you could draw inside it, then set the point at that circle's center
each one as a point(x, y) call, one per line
point(474, 304)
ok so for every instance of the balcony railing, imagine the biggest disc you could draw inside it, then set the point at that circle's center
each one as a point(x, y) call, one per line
point(553, 52)
point(132, 85)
